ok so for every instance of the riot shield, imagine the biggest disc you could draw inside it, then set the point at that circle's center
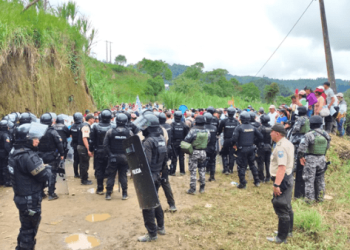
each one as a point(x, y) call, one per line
point(143, 182)
point(61, 181)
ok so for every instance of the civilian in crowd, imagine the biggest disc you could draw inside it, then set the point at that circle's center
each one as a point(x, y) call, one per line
point(341, 114)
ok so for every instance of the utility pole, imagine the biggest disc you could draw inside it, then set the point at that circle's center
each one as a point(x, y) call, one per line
point(110, 52)
point(327, 48)
point(106, 51)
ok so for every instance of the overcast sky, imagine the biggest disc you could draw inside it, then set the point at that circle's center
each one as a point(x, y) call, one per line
point(236, 35)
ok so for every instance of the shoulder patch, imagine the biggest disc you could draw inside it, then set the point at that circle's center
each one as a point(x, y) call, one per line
point(280, 154)
point(8, 140)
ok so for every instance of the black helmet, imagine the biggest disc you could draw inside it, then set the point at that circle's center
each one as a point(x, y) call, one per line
point(208, 117)
point(162, 118)
point(153, 121)
point(25, 118)
point(200, 120)
point(177, 116)
point(261, 110)
point(106, 116)
point(128, 115)
point(21, 134)
point(316, 121)
point(252, 116)
point(211, 110)
point(46, 119)
point(239, 111)
point(4, 125)
point(231, 111)
point(60, 119)
point(264, 119)
point(78, 117)
point(245, 117)
point(122, 119)
point(302, 110)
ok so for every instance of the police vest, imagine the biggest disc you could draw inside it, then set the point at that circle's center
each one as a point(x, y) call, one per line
point(75, 132)
point(215, 122)
point(179, 133)
point(60, 130)
point(212, 129)
point(305, 127)
point(116, 139)
point(100, 133)
point(246, 135)
point(266, 131)
point(23, 183)
point(229, 127)
point(80, 137)
point(320, 145)
point(201, 141)
point(47, 142)
point(158, 158)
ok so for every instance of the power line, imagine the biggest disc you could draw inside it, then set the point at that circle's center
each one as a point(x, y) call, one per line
point(285, 37)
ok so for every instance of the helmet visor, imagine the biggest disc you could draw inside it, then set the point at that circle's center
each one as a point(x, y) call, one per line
point(37, 130)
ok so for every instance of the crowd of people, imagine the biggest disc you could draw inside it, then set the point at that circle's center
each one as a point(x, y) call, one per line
point(276, 144)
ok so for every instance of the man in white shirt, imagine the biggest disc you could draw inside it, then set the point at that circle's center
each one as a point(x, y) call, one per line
point(272, 114)
point(342, 114)
point(332, 102)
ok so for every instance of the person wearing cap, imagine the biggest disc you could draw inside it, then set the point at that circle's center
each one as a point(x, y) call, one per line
point(341, 114)
point(272, 114)
point(332, 102)
point(281, 170)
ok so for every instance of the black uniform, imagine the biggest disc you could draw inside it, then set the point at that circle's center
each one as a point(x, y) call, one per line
point(64, 133)
point(228, 126)
point(211, 152)
point(244, 137)
point(74, 130)
point(264, 153)
point(156, 154)
point(97, 136)
point(50, 149)
point(113, 144)
point(5, 148)
point(28, 176)
point(179, 132)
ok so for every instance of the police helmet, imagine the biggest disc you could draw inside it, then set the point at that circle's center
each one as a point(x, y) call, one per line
point(302, 110)
point(122, 119)
point(261, 110)
point(153, 121)
point(106, 116)
point(252, 116)
point(25, 118)
point(78, 117)
point(211, 110)
point(178, 116)
point(231, 111)
point(316, 121)
point(60, 119)
point(264, 119)
point(21, 134)
point(239, 111)
point(4, 125)
point(46, 119)
point(162, 118)
point(245, 117)
point(208, 117)
point(200, 120)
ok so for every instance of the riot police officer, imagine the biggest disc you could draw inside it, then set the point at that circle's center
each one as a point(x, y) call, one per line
point(264, 153)
point(113, 144)
point(156, 153)
point(311, 152)
point(97, 136)
point(63, 131)
point(210, 151)
point(5, 148)
point(74, 130)
point(214, 121)
point(179, 131)
point(28, 177)
point(300, 128)
point(244, 136)
point(130, 125)
point(252, 120)
point(51, 151)
point(228, 126)
point(199, 137)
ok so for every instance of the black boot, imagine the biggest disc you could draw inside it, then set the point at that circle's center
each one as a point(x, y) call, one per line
point(108, 195)
point(99, 187)
point(212, 176)
point(283, 229)
point(125, 195)
point(201, 189)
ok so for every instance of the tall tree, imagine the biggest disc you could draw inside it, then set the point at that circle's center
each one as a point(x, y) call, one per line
point(270, 92)
point(120, 60)
point(155, 86)
point(155, 68)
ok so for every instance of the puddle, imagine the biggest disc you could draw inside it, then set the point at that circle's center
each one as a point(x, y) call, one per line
point(97, 217)
point(81, 242)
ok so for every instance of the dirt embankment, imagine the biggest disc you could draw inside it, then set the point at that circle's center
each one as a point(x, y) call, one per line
point(29, 82)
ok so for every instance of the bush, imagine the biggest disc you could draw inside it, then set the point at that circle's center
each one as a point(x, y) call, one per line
point(308, 219)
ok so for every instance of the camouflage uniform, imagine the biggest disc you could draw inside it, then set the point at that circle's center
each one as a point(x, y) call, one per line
point(196, 160)
point(313, 173)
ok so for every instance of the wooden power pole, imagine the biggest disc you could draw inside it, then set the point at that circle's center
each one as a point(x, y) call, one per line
point(110, 52)
point(327, 48)
point(106, 51)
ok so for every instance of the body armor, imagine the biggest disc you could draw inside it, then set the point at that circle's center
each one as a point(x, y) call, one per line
point(160, 151)
point(246, 137)
point(320, 145)
point(229, 127)
point(118, 135)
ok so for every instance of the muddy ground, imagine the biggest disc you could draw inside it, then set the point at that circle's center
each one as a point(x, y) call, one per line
point(222, 218)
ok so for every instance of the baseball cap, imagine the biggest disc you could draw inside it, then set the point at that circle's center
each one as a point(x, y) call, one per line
point(272, 107)
point(302, 92)
point(340, 95)
point(279, 128)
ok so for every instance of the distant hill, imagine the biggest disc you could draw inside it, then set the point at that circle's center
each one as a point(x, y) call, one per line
point(342, 85)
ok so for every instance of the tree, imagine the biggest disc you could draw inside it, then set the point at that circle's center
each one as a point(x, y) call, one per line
point(120, 60)
point(155, 68)
point(155, 86)
point(215, 75)
point(250, 92)
point(270, 92)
